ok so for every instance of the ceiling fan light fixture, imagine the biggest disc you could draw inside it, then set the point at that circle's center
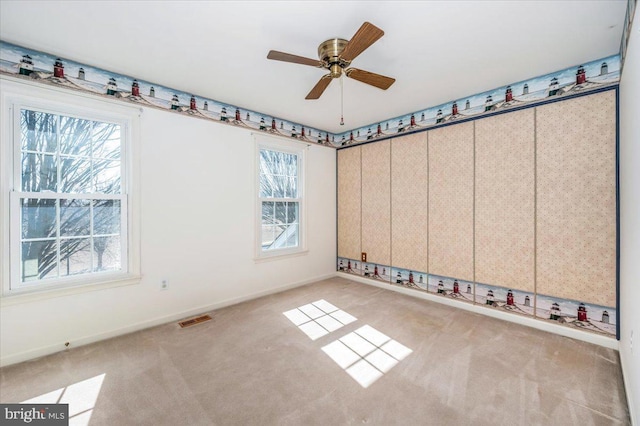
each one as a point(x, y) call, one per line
point(336, 70)
point(335, 55)
point(329, 51)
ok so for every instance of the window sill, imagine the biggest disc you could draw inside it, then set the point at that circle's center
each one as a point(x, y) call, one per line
point(34, 296)
point(279, 256)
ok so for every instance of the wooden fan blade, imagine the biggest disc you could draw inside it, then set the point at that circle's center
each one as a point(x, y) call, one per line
point(363, 38)
point(287, 57)
point(320, 87)
point(377, 80)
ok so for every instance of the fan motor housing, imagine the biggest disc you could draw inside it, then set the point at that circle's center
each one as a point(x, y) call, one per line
point(329, 52)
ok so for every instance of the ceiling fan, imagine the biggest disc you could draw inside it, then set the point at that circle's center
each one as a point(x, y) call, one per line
point(336, 55)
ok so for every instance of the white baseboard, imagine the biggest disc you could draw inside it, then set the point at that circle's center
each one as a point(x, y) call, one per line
point(607, 342)
point(81, 341)
point(627, 388)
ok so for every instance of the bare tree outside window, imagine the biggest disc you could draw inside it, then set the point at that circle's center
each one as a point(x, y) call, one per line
point(70, 203)
point(279, 194)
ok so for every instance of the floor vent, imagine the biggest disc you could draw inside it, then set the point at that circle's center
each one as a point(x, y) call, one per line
point(194, 321)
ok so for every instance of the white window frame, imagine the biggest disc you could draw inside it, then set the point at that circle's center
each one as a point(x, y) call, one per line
point(289, 147)
point(17, 95)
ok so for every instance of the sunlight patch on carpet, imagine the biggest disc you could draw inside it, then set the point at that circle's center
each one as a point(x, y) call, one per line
point(81, 397)
point(319, 318)
point(366, 354)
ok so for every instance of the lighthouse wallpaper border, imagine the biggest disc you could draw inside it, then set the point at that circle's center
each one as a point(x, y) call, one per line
point(48, 69)
point(584, 78)
point(570, 313)
point(45, 68)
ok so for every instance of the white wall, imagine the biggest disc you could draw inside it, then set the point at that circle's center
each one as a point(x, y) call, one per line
point(197, 231)
point(630, 221)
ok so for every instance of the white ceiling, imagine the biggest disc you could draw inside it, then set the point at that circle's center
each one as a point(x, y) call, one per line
point(438, 51)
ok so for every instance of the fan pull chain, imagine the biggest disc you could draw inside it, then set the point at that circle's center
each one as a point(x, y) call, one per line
point(341, 101)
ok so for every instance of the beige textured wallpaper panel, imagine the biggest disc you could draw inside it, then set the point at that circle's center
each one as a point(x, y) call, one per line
point(576, 203)
point(451, 201)
point(505, 193)
point(409, 202)
point(376, 202)
point(349, 195)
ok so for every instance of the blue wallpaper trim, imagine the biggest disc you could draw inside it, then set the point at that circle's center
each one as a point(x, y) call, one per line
point(31, 64)
point(572, 81)
point(618, 213)
point(46, 68)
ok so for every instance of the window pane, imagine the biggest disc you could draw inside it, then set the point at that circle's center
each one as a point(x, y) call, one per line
point(106, 140)
point(268, 235)
point(292, 187)
point(39, 172)
point(107, 176)
point(267, 212)
point(291, 160)
point(38, 218)
point(75, 175)
point(269, 161)
point(75, 136)
point(39, 260)
point(281, 212)
point(38, 131)
point(291, 236)
point(286, 186)
point(292, 213)
point(74, 217)
point(106, 217)
point(75, 256)
point(266, 186)
point(274, 186)
point(107, 254)
point(280, 184)
point(278, 239)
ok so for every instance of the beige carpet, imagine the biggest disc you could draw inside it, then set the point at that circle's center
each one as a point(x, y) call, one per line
point(422, 364)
